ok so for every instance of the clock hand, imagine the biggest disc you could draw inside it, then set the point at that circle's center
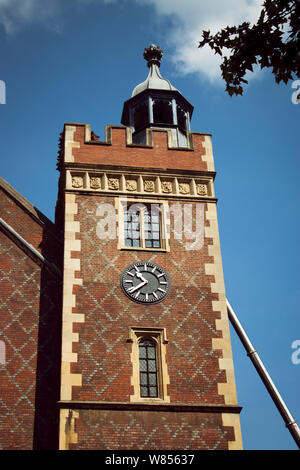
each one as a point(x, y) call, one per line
point(134, 288)
point(140, 276)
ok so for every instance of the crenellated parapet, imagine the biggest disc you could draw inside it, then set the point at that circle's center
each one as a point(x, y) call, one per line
point(117, 149)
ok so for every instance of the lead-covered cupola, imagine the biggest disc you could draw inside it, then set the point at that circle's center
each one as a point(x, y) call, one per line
point(155, 103)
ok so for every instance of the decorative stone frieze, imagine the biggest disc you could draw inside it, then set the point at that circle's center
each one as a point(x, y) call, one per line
point(139, 184)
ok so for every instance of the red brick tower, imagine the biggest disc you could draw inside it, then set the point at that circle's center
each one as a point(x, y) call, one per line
point(146, 352)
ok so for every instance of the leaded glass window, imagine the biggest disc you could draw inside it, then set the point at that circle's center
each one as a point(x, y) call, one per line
point(132, 229)
point(152, 227)
point(142, 226)
point(148, 369)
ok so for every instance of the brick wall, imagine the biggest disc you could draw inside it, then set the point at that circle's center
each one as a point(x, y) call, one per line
point(103, 350)
point(148, 430)
point(156, 156)
point(30, 299)
point(30, 224)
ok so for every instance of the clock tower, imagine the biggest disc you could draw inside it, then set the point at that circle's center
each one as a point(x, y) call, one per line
point(146, 359)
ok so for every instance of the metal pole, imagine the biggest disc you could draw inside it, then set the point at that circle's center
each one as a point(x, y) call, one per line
point(260, 368)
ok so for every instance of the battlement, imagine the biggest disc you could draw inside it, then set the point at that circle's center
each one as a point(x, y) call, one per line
point(78, 144)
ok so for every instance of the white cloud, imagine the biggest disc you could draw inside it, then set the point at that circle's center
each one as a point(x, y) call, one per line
point(194, 16)
point(188, 19)
point(213, 12)
point(14, 14)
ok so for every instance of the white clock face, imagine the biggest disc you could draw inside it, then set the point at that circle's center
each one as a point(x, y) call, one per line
point(145, 282)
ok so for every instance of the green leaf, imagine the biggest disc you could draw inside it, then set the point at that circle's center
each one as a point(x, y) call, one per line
point(264, 43)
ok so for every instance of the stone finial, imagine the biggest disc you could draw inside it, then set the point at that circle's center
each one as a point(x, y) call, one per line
point(153, 55)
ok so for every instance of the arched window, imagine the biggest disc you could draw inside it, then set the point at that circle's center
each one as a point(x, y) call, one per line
point(148, 368)
point(150, 378)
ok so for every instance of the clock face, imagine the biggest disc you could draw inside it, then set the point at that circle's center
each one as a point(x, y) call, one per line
point(145, 282)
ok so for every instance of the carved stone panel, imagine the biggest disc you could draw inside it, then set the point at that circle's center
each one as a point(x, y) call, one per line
point(77, 182)
point(131, 185)
point(166, 187)
point(113, 183)
point(149, 186)
point(201, 189)
point(184, 188)
point(95, 182)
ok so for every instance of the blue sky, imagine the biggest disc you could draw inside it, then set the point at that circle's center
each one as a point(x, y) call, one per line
point(78, 61)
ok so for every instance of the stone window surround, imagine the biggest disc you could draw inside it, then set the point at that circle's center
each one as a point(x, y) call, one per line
point(158, 336)
point(121, 203)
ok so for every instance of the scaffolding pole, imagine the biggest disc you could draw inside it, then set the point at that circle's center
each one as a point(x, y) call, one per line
point(266, 379)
